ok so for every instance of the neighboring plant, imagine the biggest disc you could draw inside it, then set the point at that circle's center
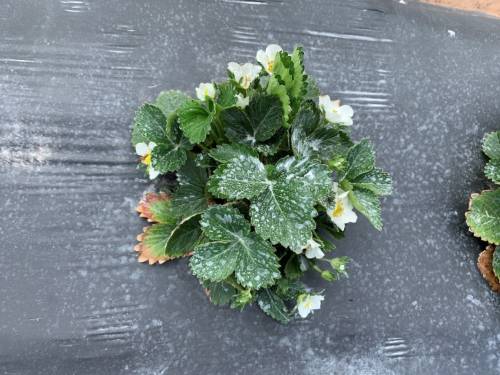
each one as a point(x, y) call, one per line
point(266, 175)
point(483, 217)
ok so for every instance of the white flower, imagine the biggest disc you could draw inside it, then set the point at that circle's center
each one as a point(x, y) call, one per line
point(242, 101)
point(313, 250)
point(334, 112)
point(205, 90)
point(267, 57)
point(244, 74)
point(153, 173)
point(144, 151)
point(343, 212)
point(306, 303)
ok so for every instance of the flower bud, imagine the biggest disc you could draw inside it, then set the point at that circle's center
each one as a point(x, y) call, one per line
point(327, 275)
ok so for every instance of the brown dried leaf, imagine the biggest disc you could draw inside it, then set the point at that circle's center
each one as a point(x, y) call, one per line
point(145, 205)
point(484, 263)
point(145, 254)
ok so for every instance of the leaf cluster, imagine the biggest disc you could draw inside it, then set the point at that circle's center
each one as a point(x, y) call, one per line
point(483, 216)
point(254, 185)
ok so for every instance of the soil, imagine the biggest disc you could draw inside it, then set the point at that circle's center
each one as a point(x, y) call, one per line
point(484, 263)
point(491, 7)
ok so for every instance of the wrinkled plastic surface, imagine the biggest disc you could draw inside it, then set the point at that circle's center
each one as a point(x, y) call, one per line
point(73, 299)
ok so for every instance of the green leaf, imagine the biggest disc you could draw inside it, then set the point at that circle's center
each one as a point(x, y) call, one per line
point(258, 265)
point(271, 304)
point(492, 170)
point(149, 125)
point(491, 145)
point(307, 119)
point(317, 177)
point(326, 230)
point(225, 152)
point(368, 204)
point(360, 160)
point(284, 212)
point(190, 197)
point(272, 146)
point(292, 268)
point(157, 208)
point(377, 181)
point(257, 123)
point(169, 101)
point(195, 121)
point(226, 94)
point(312, 139)
point(233, 249)
point(203, 160)
point(496, 262)
point(274, 87)
point(483, 217)
point(242, 177)
point(289, 289)
point(289, 71)
point(220, 293)
point(221, 223)
point(312, 89)
point(184, 237)
point(170, 155)
point(299, 86)
point(156, 237)
point(283, 68)
point(282, 209)
point(167, 157)
point(215, 261)
point(243, 298)
point(172, 240)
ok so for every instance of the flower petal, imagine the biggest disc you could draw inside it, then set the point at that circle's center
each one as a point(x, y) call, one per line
point(316, 302)
point(205, 90)
point(332, 116)
point(141, 149)
point(346, 110)
point(314, 252)
point(347, 121)
point(252, 70)
point(261, 57)
point(338, 222)
point(235, 68)
point(350, 216)
point(153, 173)
point(341, 195)
point(324, 102)
point(272, 50)
point(303, 311)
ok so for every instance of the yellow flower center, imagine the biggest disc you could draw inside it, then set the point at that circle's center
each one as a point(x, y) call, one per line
point(338, 210)
point(147, 159)
point(270, 65)
point(308, 303)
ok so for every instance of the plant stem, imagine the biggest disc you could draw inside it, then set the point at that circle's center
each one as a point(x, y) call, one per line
point(234, 284)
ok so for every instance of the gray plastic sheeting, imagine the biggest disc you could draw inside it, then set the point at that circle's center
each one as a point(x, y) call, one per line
point(73, 299)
